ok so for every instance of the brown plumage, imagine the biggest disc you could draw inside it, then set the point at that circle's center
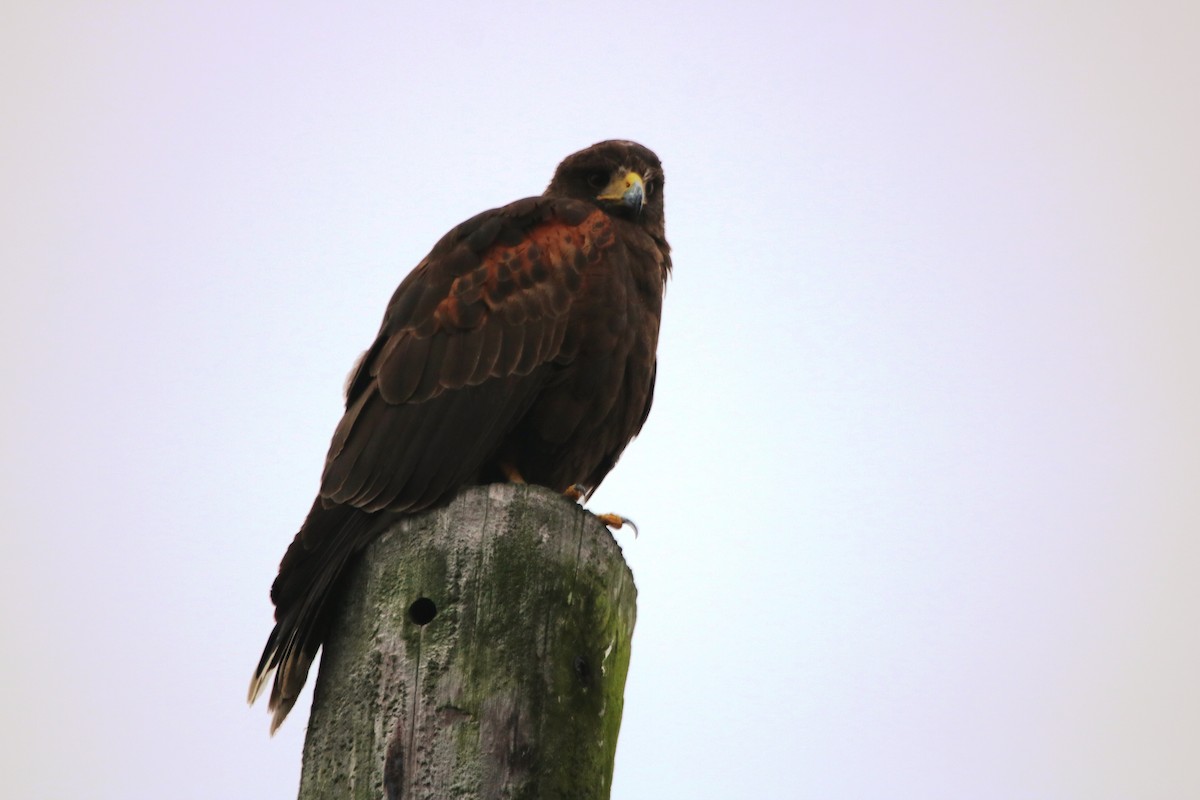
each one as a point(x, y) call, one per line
point(522, 345)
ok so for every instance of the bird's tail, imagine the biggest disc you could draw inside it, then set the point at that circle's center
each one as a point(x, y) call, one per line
point(305, 594)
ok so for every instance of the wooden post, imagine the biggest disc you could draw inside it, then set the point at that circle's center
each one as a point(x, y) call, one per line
point(481, 652)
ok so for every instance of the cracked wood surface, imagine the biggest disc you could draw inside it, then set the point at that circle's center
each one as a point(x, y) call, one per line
point(481, 652)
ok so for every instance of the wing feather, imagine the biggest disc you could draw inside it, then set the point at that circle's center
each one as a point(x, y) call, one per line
point(400, 366)
point(489, 354)
point(461, 358)
point(531, 340)
point(511, 345)
point(435, 367)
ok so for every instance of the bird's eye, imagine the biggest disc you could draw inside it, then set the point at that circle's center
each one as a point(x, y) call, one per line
point(597, 179)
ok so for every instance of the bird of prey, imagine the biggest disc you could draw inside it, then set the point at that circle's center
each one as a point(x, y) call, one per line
point(522, 348)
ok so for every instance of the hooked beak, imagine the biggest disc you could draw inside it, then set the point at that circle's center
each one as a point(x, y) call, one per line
point(627, 189)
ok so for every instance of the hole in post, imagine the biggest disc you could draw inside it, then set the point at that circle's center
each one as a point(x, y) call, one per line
point(422, 611)
point(583, 670)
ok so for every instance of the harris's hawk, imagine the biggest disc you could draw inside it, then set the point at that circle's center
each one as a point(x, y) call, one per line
point(522, 348)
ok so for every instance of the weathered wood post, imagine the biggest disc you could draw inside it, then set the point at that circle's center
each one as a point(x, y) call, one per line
point(481, 653)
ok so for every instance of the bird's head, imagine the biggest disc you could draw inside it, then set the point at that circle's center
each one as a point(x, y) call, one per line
point(624, 178)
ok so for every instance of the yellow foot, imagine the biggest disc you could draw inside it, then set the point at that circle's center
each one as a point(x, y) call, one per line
point(616, 522)
point(574, 492)
point(511, 472)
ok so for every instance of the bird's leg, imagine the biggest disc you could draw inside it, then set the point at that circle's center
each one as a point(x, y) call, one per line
point(616, 522)
point(511, 472)
point(574, 492)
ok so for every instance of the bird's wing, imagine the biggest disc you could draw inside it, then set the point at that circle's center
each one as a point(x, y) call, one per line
point(468, 339)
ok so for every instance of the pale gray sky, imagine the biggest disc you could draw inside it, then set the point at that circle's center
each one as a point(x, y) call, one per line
point(918, 497)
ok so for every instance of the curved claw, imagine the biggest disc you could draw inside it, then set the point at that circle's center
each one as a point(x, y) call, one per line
point(574, 492)
point(616, 522)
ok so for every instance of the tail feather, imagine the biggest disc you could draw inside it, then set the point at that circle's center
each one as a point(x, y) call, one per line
point(305, 594)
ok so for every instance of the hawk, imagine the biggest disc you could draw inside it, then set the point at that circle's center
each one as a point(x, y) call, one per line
point(522, 348)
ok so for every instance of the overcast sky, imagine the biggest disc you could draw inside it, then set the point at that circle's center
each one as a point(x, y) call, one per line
point(919, 495)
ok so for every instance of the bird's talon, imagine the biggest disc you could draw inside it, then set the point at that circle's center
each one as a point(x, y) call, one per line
point(616, 522)
point(574, 492)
